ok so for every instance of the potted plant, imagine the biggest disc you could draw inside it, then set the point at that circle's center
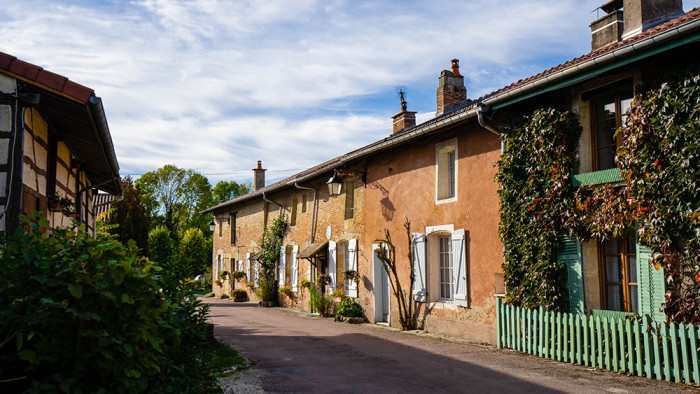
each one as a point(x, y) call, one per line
point(323, 279)
point(238, 275)
point(61, 204)
point(338, 295)
point(218, 282)
point(352, 275)
point(250, 285)
point(239, 295)
point(223, 275)
point(286, 290)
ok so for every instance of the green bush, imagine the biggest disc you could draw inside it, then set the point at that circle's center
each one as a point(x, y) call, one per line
point(239, 295)
point(160, 245)
point(194, 252)
point(321, 303)
point(349, 308)
point(266, 291)
point(79, 314)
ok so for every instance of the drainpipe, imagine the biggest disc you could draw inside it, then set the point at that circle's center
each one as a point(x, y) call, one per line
point(482, 122)
point(313, 214)
point(270, 201)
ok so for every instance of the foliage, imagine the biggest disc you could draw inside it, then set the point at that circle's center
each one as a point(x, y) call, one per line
point(323, 280)
point(349, 308)
point(128, 217)
point(305, 284)
point(87, 315)
point(286, 290)
point(386, 253)
point(194, 253)
point(270, 244)
point(238, 275)
point(239, 295)
point(537, 196)
point(160, 245)
point(178, 195)
point(250, 285)
point(223, 275)
point(321, 303)
point(660, 160)
point(65, 205)
point(338, 293)
point(351, 275)
point(227, 190)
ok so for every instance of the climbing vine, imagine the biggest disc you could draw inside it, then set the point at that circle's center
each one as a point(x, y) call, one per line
point(537, 196)
point(660, 160)
point(270, 244)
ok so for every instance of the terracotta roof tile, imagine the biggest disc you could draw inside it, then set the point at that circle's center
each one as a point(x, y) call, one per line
point(44, 78)
point(54, 81)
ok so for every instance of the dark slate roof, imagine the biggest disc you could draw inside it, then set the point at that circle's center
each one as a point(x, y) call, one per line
point(468, 107)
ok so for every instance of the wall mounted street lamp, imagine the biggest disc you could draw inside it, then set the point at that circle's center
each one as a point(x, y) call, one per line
point(334, 184)
point(212, 226)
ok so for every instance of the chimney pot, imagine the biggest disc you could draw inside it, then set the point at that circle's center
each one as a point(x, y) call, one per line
point(451, 91)
point(455, 66)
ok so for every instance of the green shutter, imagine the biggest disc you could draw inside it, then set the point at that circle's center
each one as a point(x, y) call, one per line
point(570, 255)
point(651, 286)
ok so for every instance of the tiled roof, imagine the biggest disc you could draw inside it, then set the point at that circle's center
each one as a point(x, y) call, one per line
point(46, 79)
point(472, 104)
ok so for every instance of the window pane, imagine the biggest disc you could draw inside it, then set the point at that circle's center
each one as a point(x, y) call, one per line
point(613, 269)
point(451, 162)
point(614, 298)
point(445, 266)
point(605, 133)
point(634, 307)
point(612, 246)
point(632, 268)
point(605, 107)
point(605, 158)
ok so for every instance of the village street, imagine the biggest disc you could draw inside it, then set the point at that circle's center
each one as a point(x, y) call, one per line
point(293, 352)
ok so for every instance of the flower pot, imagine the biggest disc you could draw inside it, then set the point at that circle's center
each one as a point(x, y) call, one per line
point(339, 299)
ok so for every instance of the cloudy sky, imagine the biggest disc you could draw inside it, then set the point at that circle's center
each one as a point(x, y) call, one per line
point(215, 85)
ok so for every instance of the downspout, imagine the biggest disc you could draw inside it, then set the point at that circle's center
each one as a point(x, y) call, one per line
point(271, 202)
point(482, 122)
point(313, 214)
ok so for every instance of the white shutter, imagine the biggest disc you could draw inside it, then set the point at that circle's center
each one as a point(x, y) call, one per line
point(352, 262)
point(282, 268)
point(419, 290)
point(459, 268)
point(256, 267)
point(295, 268)
point(331, 264)
point(247, 267)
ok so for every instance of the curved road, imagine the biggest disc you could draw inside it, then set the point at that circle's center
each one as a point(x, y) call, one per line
point(297, 353)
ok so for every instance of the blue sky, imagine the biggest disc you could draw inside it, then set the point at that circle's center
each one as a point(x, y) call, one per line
point(216, 85)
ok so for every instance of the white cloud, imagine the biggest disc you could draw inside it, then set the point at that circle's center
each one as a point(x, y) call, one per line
point(216, 85)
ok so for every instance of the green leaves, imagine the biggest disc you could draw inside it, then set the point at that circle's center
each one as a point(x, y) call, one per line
point(75, 290)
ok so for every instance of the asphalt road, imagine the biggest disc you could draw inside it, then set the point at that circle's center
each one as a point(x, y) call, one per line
point(297, 353)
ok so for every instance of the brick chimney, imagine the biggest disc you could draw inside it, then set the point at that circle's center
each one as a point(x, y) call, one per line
point(626, 18)
point(259, 175)
point(404, 119)
point(451, 90)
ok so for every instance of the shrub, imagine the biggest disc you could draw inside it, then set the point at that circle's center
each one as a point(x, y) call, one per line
point(266, 291)
point(160, 245)
point(78, 314)
point(338, 293)
point(238, 275)
point(321, 303)
point(349, 308)
point(250, 285)
point(239, 295)
point(194, 252)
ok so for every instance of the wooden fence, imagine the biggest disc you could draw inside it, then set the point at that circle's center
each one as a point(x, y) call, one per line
point(641, 347)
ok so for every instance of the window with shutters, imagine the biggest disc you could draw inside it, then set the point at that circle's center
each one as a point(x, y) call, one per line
point(446, 171)
point(618, 264)
point(440, 266)
point(609, 110)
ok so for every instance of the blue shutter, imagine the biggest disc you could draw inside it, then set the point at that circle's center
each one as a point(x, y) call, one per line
point(570, 255)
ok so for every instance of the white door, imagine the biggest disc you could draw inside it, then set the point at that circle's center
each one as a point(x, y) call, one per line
point(381, 288)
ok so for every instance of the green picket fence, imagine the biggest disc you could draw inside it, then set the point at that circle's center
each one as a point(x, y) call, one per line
point(645, 348)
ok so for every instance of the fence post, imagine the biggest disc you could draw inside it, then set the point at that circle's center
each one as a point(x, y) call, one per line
point(674, 349)
point(684, 352)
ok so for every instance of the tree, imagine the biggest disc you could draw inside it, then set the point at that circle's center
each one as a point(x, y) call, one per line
point(127, 218)
point(228, 190)
point(194, 252)
point(178, 195)
point(160, 245)
point(387, 254)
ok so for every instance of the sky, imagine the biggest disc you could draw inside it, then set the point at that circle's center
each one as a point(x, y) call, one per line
point(216, 85)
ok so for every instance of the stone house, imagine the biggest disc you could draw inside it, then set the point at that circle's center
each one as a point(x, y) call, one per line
point(56, 151)
point(440, 176)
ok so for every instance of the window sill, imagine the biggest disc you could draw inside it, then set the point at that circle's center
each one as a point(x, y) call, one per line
point(442, 304)
point(610, 175)
point(446, 200)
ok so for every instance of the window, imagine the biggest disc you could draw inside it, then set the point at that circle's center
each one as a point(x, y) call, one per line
point(445, 267)
point(232, 222)
point(610, 109)
point(440, 265)
point(349, 199)
point(446, 171)
point(618, 262)
point(303, 203)
point(293, 219)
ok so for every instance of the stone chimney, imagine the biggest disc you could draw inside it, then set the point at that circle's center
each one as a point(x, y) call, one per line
point(404, 119)
point(451, 90)
point(259, 175)
point(626, 18)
